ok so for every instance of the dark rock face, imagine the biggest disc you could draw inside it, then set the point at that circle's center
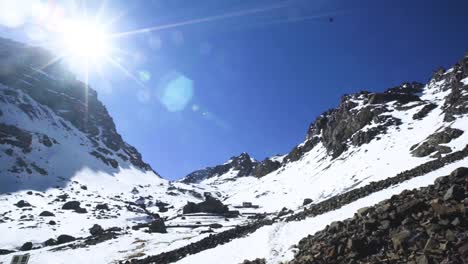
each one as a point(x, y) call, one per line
point(26, 246)
point(424, 111)
point(417, 226)
point(243, 163)
point(62, 239)
point(265, 167)
point(157, 226)
point(96, 230)
point(334, 127)
point(456, 102)
point(15, 136)
point(432, 143)
point(46, 213)
point(210, 205)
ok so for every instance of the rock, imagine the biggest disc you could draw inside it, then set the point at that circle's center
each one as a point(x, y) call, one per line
point(456, 192)
point(62, 239)
point(72, 205)
point(50, 242)
point(463, 251)
point(52, 222)
point(22, 203)
point(255, 261)
point(362, 211)
point(210, 205)
point(243, 164)
point(265, 167)
point(285, 211)
point(216, 225)
point(157, 226)
point(26, 246)
point(96, 230)
point(6, 251)
point(424, 111)
point(444, 210)
point(46, 214)
point(400, 238)
point(307, 201)
point(432, 143)
point(411, 206)
point(460, 172)
point(81, 210)
point(102, 207)
point(114, 229)
point(422, 260)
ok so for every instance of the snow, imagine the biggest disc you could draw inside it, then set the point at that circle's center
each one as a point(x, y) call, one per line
point(314, 176)
point(275, 242)
point(465, 81)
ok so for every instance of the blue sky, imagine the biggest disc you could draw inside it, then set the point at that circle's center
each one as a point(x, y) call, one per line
point(207, 91)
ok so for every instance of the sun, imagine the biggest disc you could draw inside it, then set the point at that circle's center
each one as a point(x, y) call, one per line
point(84, 40)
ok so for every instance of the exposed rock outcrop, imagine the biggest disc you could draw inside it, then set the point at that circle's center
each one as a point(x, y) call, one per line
point(210, 205)
point(242, 164)
point(433, 143)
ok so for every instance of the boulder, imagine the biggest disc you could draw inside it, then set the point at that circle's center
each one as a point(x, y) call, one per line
point(50, 242)
point(81, 210)
point(72, 205)
point(456, 192)
point(102, 207)
point(22, 204)
point(46, 214)
point(307, 201)
point(216, 225)
point(26, 246)
point(96, 230)
point(210, 205)
point(62, 239)
point(157, 226)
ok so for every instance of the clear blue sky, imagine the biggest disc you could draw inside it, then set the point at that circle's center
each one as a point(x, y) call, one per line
point(258, 80)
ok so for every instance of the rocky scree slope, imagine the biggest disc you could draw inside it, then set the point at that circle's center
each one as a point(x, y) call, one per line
point(427, 225)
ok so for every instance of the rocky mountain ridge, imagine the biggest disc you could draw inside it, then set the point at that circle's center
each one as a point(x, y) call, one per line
point(342, 127)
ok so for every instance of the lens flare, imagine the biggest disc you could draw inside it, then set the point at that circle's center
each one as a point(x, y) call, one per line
point(175, 92)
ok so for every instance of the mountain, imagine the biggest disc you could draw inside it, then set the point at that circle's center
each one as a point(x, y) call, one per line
point(73, 191)
point(52, 125)
point(367, 137)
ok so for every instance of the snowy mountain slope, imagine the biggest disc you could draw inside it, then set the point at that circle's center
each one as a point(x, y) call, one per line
point(275, 243)
point(391, 134)
point(58, 145)
point(52, 125)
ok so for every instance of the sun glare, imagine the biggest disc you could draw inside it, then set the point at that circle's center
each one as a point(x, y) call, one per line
point(84, 40)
